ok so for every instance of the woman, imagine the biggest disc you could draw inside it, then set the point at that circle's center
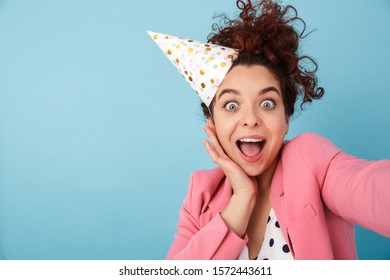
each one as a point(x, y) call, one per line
point(270, 198)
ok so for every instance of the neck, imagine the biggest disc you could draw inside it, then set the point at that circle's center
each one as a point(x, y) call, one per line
point(264, 180)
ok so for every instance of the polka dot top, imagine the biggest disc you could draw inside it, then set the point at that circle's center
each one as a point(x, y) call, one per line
point(274, 246)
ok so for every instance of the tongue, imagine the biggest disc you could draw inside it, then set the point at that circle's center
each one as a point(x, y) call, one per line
point(250, 149)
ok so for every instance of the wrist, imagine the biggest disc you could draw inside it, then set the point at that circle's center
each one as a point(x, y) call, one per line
point(245, 199)
point(237, 213)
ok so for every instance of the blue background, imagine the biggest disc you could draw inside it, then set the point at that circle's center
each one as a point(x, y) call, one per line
point(99, 133)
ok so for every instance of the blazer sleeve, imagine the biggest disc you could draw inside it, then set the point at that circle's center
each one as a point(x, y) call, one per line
point(355, 189)
point(202, 234)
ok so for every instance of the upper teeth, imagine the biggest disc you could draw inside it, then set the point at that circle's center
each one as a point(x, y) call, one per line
point(250, 140)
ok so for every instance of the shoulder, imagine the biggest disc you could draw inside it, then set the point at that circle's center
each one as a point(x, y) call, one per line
point(207, 188)
point(206, 181)
point(208, 176)
point(309, 142)
point(310, 149)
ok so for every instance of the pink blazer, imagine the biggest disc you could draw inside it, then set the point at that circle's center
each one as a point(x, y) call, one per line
point(318, 193)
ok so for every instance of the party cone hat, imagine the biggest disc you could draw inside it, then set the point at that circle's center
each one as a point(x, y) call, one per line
point(203, 65)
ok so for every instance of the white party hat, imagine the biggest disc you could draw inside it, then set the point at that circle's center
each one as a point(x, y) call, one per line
point(203, 65)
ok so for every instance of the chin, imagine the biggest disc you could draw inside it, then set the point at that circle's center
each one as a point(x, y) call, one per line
point(259, 168)
point(253, 172)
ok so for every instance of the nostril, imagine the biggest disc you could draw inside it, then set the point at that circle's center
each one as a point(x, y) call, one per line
point(250, 124)
point(251, 119)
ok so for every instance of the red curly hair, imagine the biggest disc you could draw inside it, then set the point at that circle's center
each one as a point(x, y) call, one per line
point(264, 35)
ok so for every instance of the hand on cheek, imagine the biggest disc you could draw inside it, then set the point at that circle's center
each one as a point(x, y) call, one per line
point(240, 181)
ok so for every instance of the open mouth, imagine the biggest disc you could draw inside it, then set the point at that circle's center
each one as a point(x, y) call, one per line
point(250, 147)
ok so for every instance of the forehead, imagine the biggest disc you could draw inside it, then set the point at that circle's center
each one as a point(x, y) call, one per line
point(248, 78)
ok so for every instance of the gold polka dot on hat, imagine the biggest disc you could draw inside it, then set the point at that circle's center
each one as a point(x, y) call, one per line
point(203, 65)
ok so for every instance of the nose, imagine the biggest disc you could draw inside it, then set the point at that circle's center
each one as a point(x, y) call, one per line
point(250, 118)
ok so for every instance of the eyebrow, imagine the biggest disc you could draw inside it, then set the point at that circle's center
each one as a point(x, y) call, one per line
point(237, 92)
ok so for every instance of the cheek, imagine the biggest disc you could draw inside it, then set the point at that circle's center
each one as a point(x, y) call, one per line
point(283, 126)
point(223, 131)
point(279, 128)
point(283, 129)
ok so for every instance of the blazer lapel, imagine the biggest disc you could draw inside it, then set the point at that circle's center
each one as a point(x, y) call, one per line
point(277, 201)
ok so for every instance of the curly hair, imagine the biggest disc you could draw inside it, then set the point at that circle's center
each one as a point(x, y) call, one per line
point(264, 34)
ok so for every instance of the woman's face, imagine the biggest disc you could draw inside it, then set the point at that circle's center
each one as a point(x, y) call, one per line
point(249, 118)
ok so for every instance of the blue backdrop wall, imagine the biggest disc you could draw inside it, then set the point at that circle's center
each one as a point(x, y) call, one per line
point(99, 133)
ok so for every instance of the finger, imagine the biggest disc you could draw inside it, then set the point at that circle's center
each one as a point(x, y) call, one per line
point(210, 150)
point(224, 162)
point(215, 142)
point(211, 126)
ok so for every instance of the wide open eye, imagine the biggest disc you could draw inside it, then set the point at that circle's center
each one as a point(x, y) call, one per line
point(230, 106)
point(267, 104)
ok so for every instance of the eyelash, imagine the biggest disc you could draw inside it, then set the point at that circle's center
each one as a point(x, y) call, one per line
point(267, 99)
point(227, 102)
point(270, 99)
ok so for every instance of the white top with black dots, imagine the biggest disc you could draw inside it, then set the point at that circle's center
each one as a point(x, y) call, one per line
point(274, 246)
